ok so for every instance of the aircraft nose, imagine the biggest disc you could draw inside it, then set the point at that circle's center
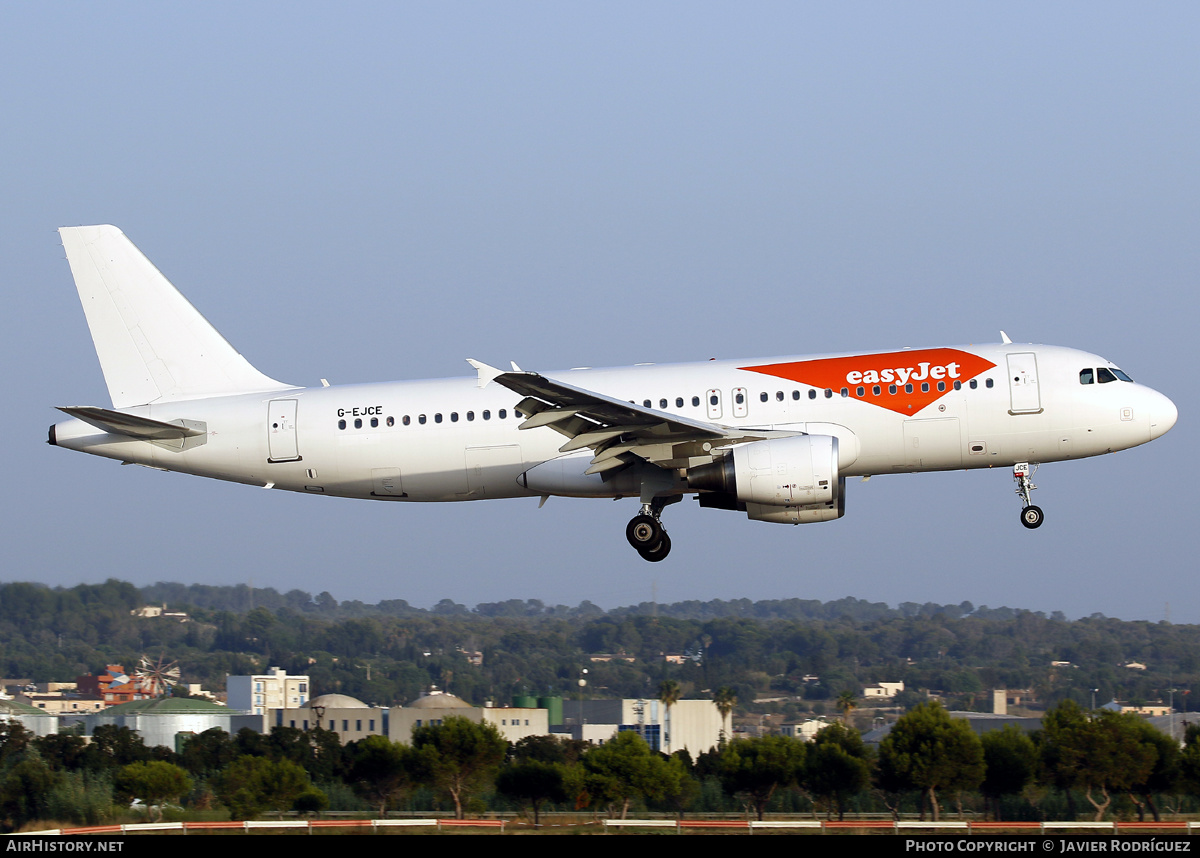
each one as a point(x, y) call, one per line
point(1163, 414)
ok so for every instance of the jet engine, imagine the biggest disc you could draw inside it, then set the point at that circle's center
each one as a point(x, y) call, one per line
point(784, 480)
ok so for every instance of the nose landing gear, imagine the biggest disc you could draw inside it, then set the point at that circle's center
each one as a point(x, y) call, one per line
point(1031, 516)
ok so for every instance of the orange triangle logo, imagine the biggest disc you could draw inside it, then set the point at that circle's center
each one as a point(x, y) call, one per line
point(904, 382)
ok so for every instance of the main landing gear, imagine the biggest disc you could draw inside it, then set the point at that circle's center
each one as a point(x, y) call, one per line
point(1031, 516)
point(645, 531)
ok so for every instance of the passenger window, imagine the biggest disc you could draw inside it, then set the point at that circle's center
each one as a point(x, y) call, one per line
point(974, 383)
point(812, 394)
point(795, 394)
point(941, 385)
point(740, 399)
point(341, 424)
point(453, 416)
point(470, 416)
point(908, 388)
point(988, 382)
point(374, 422)
point(679, 402)
point(860, 391)
point(845, 391)
point(695, 402)
point(875, 390)
point(646, 403)
point(828, 393)
point(925, 386)
point(1104, 376)
point(779, 396)
point(662, 403)
point(763, 396)
point(1087, 376)
point(712, 400)
point(357, 422)
point(487, 415)
point(502, 414)
point(892, 389)
point(405, 420)
point(421, 419)
point(958, 385)
point(437, 418)
point(391, 421)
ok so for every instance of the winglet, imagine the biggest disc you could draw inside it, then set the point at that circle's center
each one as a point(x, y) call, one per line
point(486, 373)
point(1004, 338)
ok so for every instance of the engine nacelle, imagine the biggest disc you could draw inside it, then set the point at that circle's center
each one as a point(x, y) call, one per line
point(784, 480)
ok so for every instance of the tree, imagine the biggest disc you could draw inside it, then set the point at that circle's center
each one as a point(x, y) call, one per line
point(669, 693)
point(24, 791)
point(725, 699)
point(1165, 773)
point(1010, 758)
point(622, 769)
point(927, 750)
point(381, 770)
point(208, 753)
point(253, 784)
point(837, 765)
point(1101, 755)
point(846, 703)
point(533, 782)
point(459, 756)
point(154, 782)
point(113, 747)
point(757, 767)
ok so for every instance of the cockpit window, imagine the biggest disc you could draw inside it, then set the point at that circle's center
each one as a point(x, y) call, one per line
point(1121, 375)
point(1104, 376)
point(1087, 376)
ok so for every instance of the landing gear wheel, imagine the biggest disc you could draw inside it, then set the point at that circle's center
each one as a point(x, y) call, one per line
point(644, 532)
point(1032, 517)
point(659, 552)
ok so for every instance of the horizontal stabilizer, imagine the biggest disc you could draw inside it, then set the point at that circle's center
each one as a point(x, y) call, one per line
point(132, 426)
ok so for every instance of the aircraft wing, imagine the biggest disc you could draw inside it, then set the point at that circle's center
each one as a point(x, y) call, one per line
point(618, 431)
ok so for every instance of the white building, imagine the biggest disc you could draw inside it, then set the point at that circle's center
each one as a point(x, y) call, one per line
point(693, 725)
point(271, 690)
point(883, 689)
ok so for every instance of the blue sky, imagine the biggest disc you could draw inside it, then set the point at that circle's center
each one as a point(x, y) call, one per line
point(369, 192)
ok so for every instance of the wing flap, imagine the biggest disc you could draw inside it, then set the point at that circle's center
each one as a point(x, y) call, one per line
point(617, 430)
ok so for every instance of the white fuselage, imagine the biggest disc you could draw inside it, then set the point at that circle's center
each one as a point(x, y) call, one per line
point(452, 439)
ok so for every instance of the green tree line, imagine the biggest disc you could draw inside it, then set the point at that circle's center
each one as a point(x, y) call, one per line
point(390, 652)
point(1102, 764)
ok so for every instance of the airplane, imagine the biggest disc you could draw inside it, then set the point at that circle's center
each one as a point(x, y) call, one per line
point(774, 438)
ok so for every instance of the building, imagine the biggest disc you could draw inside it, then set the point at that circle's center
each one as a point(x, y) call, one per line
point(271, 690)
point(513, 722)
point(805, 730)
point(885, 690)
point(114, 686)
point(168, 721)
point(37, 721)
point(347, 716)
point(693, 725)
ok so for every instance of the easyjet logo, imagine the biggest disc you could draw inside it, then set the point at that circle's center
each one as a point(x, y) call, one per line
point(904, 382)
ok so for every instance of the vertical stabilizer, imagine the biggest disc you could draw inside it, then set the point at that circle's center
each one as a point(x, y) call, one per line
point(152, 344)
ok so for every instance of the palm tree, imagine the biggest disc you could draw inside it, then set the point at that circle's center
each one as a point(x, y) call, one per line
point(724, 698)
point(668, 694)
point(847, 702)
